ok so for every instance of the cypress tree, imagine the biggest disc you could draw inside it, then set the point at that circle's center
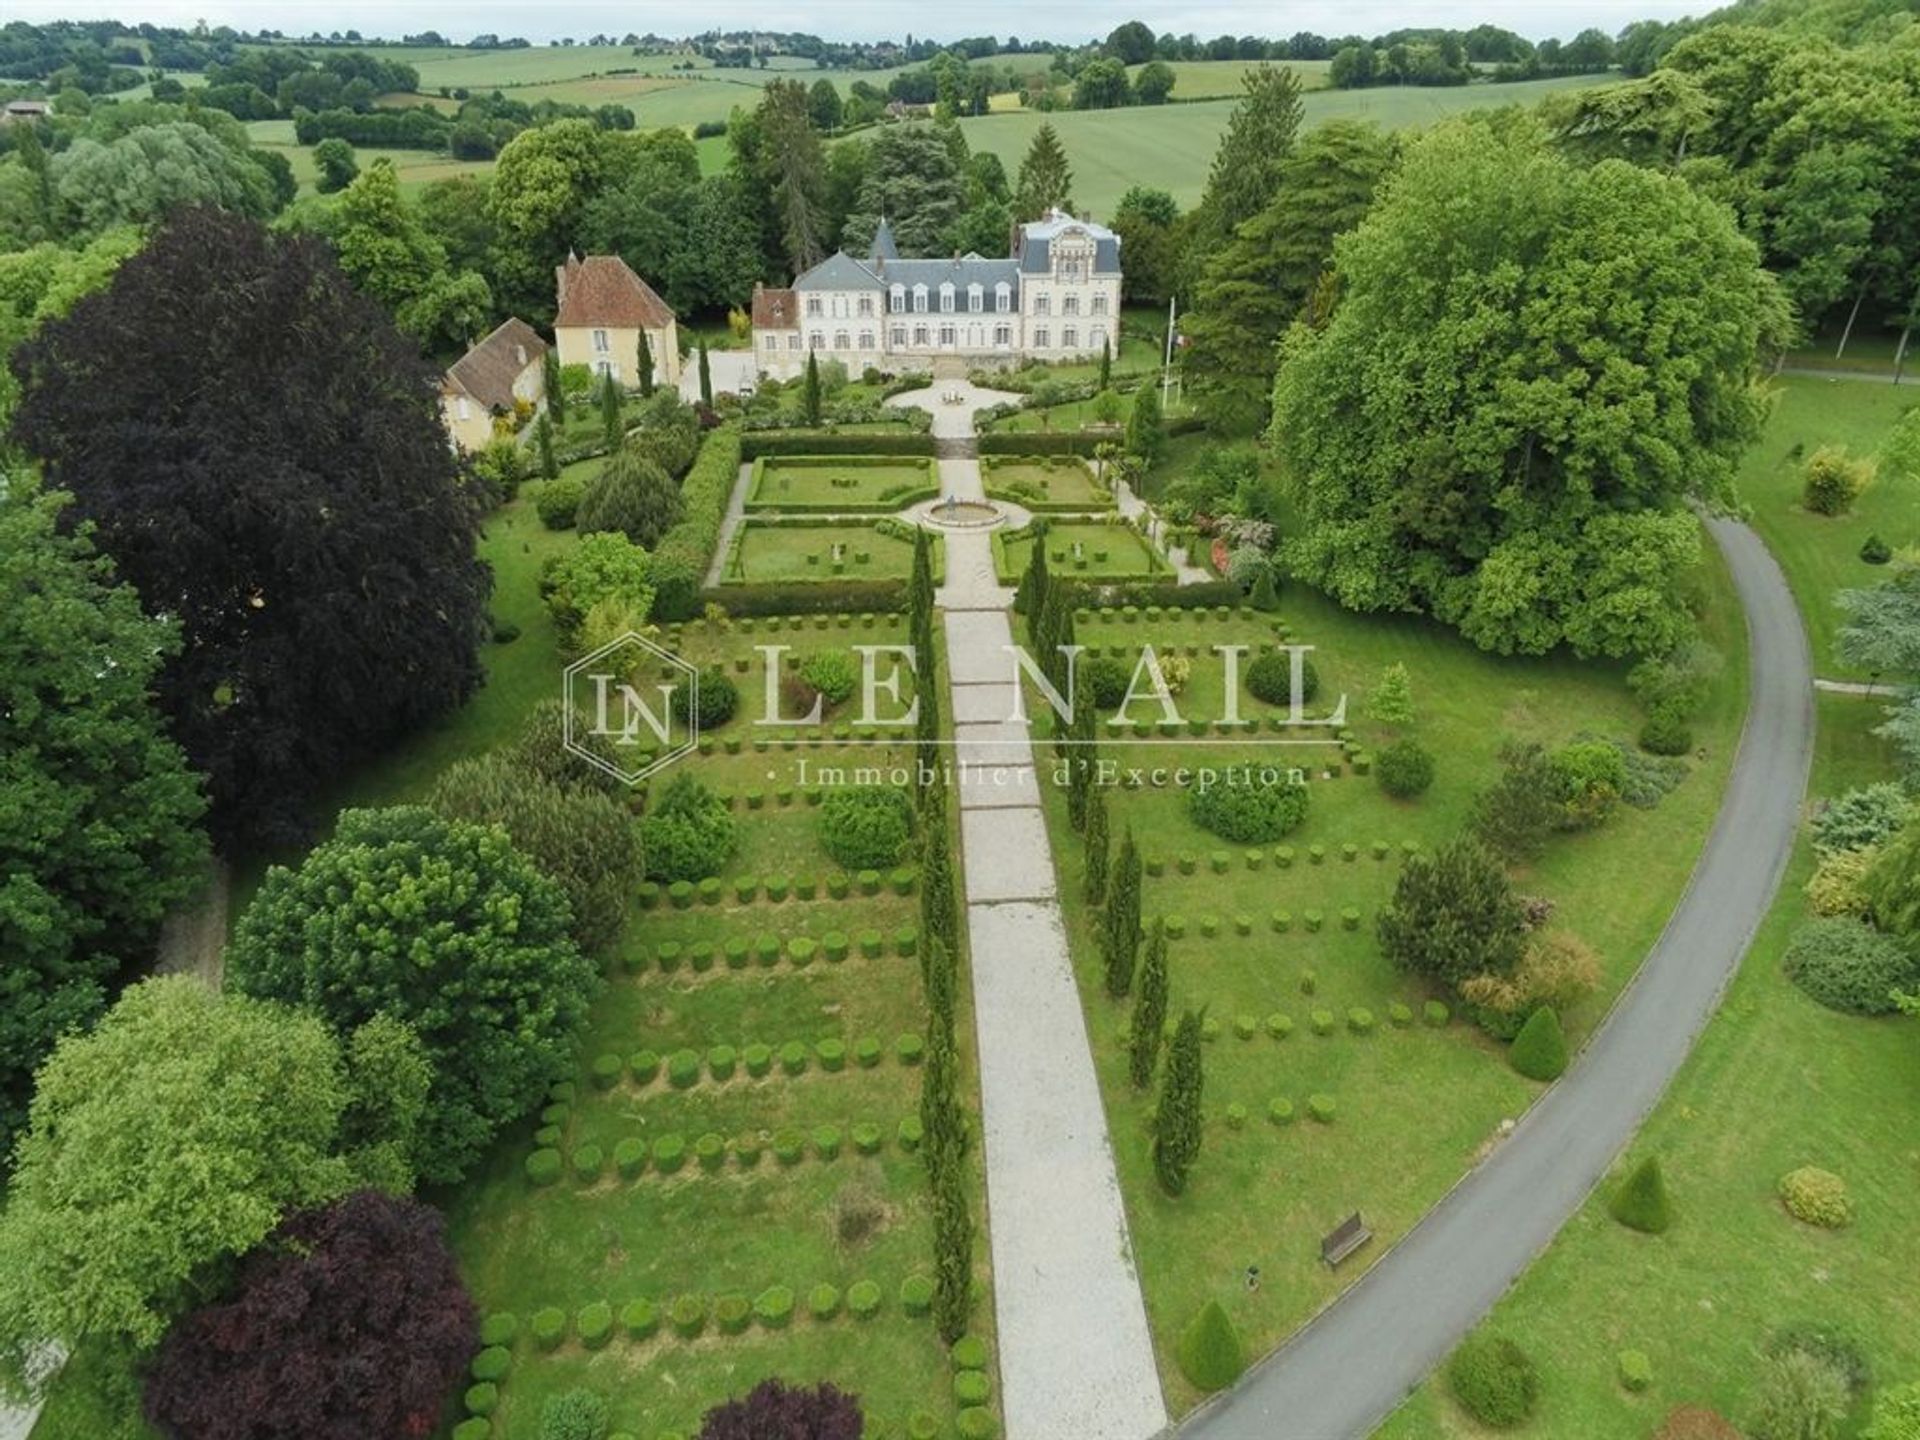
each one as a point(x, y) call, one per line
point(944, 1127)
point(810, 392)
point(1120, 934)
point(942, 979)
point(952, 1249)
point(611, 423)
point(646, 367)
point(1210, 1351)
point(1176, 1122)
point(556, 392)
point(1106, 364)
point(543, 438)
point(1096, 835)
point(939, 912)
point(1146, 433)
point(1082, 754)
point(1266, 593)
point(1030, 599)
point(706, 377)
point(920, 586)
point(1149, 1010)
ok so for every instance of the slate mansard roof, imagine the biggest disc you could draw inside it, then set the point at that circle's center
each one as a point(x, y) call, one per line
point(885, 268)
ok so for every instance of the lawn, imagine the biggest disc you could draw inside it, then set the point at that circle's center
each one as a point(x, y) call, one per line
point(1821, 554)
point(1266, 934)
point(1057, 482)
point(1167, 147)
point(765, 553)
point(1087, 551)
point(782, 1201)
point(1776, 1082)
point(840, 483)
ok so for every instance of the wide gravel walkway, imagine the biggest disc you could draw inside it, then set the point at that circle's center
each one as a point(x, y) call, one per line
point(1076, 1357)
point(1355, 1362)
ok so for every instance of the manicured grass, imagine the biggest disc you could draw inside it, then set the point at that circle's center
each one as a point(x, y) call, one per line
point(1168, 147)
point(846, 483)
point(1090, 551)
point(1776, 1082)
point(1415, 1104)
point(1820, 553)
point(766, 553)
point(1058, 482)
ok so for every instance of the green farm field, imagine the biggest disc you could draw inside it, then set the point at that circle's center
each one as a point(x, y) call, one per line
point(1168, 147)
point(1821, 553)
point(1264, 1193)
point(1776, 1082)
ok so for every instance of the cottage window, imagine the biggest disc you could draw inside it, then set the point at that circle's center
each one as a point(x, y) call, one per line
point(1099, 304)
point(600, 341)
point(920, 335)
point(1070, 305)
point(813, 306)
point(866, 306)
point(899, 335)
point(866, 339)
point(946, 336)
point(816, 341)
point(1069, 338)
point(1043, 305)
point(840, 340)
point(1040, 338)
point(1003, 336)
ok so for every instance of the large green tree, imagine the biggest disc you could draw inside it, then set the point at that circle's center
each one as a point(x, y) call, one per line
point(1260, 280)
point(1046, 179)
point(1148, 224)
point(275, 475)
point(1454, 916)
point(1882, 637)
point(169, 1139)
point(1532, 366)
point(99, 824)
point(915, 183)
point(141, 176)
point(387, 250)
point(541, 186)
point(1245, 174)
point(443, 925)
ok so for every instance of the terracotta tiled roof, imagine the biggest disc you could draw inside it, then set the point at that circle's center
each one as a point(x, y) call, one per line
point(488, 370)
point(775, 309)
point(603, 290)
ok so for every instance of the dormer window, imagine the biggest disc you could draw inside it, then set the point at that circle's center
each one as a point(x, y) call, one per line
point(976, 299)
point(1003, 297)
point(946, 299)
point(920, 299)
point(897, 299)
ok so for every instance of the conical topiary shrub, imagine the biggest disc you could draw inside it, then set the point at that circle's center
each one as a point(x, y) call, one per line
point(1210, 1352)
point(1539, 1051)
point(1641, 1202)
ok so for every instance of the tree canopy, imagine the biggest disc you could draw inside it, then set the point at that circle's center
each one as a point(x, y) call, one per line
point(172, 1136)
point(99, 833)
point(1046, 180)
point(445, 926)
point(1531, 366)
point(260, 452)
point(349, 1321)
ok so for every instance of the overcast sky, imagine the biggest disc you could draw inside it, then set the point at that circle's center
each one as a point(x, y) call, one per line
point(864, 19)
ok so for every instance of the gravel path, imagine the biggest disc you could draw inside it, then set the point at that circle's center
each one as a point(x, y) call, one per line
point(1350, 1366)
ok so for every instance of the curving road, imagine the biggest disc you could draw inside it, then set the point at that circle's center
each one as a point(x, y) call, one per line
point(1340, 1375)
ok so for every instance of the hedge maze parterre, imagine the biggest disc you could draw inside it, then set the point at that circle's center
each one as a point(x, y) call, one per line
point(730, 1186)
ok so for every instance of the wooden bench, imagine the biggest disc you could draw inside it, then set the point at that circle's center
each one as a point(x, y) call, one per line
point(1348, 1236)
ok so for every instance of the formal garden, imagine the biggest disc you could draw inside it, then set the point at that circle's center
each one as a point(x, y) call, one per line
point(1321, 1056)
point(845, 483)
point(1064, 483)
point(1109, 549)
point(787, 552)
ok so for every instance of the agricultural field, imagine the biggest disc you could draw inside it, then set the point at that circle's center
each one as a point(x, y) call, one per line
point(1821, 553)
point(1305, 1017)
point(1167, 147)
point(416, 169)
point(1086, 551)
point(1776, 1082)
point(839, 483)
point(1212, 79)
point(769, 553)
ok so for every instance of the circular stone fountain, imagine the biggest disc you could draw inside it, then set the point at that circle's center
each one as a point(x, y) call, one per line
point(953, 513)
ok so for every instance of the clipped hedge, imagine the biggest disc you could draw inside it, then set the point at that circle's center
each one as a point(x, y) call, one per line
point(680, 559)
point(1210, 1352)
point(781, 444)
point(1494, 1381)
point(1816, 1197)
